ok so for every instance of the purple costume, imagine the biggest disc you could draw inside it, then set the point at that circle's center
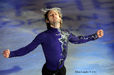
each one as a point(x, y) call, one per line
point(54, 43)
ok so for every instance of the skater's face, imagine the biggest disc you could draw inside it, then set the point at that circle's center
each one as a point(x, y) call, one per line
point(53, 17)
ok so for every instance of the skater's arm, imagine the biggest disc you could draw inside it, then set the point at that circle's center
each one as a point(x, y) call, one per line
point(24, 50)
point(82, 39)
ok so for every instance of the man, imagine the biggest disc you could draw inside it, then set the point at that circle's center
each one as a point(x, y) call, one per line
point(54, 42)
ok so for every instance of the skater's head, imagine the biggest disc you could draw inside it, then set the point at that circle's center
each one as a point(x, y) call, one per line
point(53, 17)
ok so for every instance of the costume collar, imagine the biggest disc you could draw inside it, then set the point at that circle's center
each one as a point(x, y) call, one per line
point(55, 30)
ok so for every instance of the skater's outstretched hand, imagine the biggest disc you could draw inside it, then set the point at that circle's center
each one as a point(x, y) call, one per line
point(100, 33)
point(6, 53)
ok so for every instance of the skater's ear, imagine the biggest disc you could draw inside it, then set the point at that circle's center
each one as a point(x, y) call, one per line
point(47, 21)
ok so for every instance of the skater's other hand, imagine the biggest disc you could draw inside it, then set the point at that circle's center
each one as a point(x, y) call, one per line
point(6, 53)
point(100, 33)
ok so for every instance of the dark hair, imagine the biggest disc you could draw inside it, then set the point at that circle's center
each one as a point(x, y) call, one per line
point(46, 16)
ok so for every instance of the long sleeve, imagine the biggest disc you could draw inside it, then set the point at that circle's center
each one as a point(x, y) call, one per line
point(82, 39)
point(28, 48)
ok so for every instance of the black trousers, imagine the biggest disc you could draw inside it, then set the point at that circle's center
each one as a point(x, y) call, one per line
point(46, 71)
